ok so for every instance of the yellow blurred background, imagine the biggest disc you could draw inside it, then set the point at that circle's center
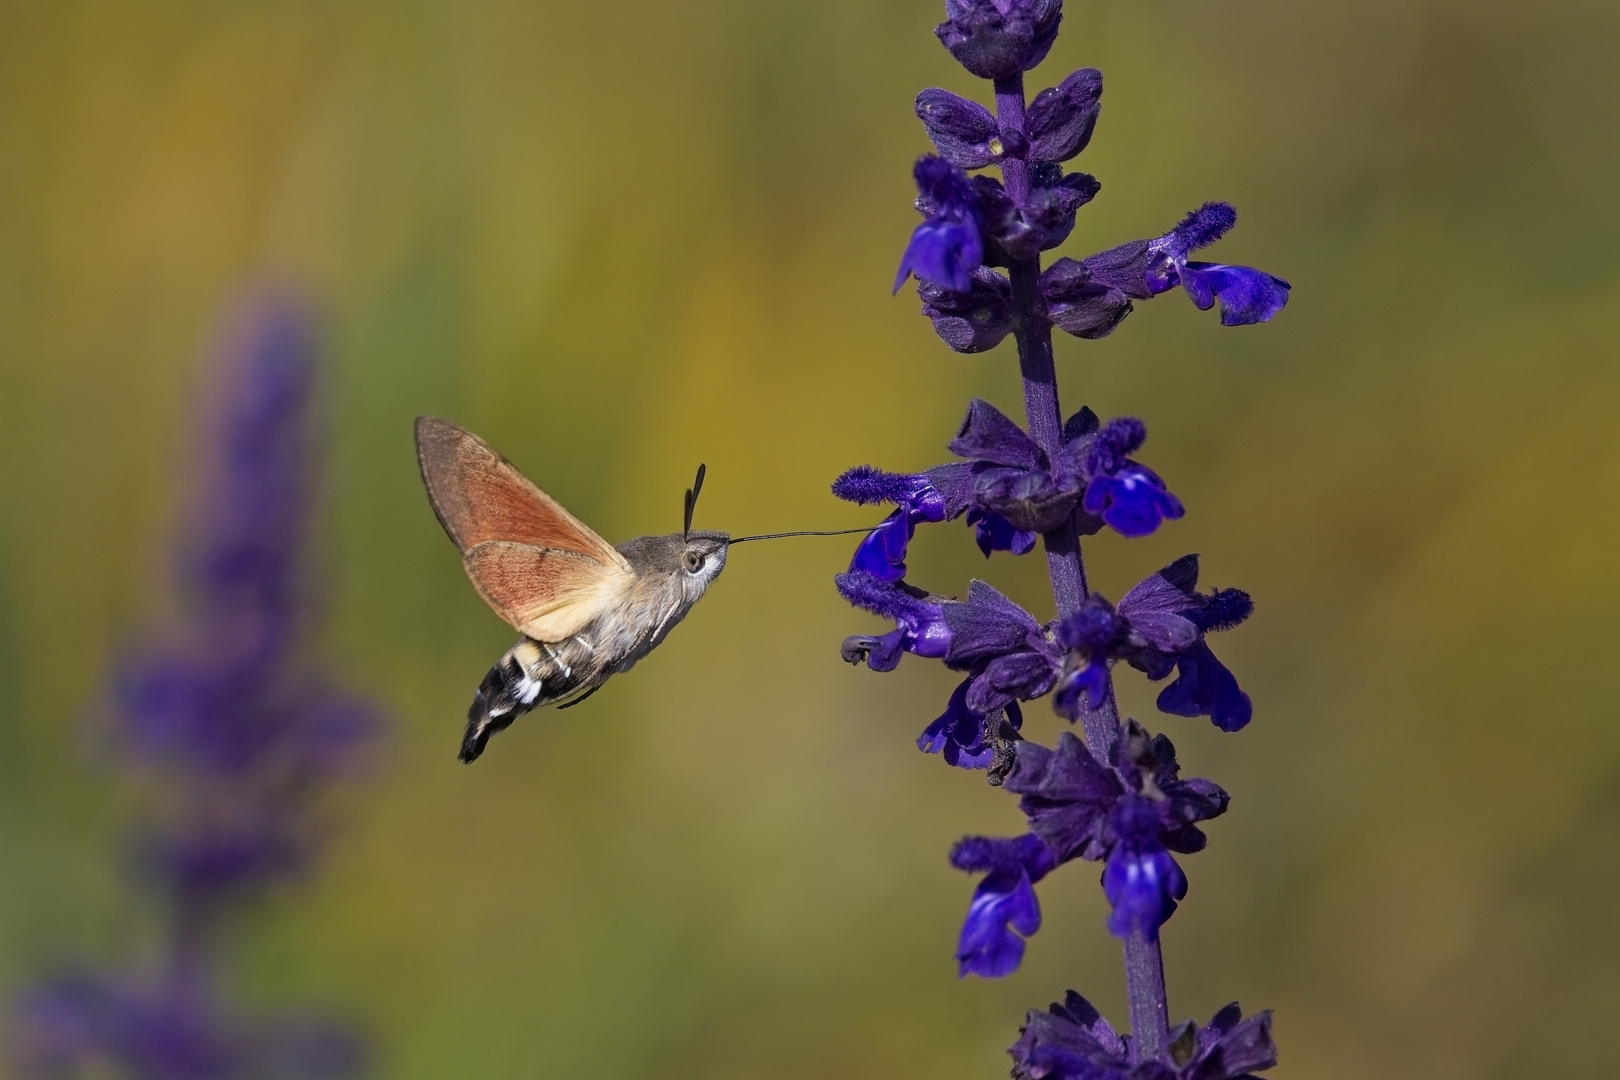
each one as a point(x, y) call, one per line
point(618, 239)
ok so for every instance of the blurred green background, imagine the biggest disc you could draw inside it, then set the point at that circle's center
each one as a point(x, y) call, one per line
point(618, 239)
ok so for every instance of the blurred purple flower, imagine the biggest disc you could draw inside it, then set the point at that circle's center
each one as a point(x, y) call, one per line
point(243, 734)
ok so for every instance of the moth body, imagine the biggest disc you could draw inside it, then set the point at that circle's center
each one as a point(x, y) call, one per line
point(671, 574)
point(587, 610)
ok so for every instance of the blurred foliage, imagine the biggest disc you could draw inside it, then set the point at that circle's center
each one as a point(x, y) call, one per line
point(619, 239)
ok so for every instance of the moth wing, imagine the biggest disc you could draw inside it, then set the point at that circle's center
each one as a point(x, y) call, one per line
point(480, 497)
point(546, 593)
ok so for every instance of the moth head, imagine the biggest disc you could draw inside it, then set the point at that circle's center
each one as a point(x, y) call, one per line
point(690, 560)
point(703, 554)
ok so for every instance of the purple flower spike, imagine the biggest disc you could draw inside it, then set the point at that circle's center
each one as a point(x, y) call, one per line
point(1141, 880)
point(1004, 909)
point(946, 248)
point(997, 38)
point(968, 739)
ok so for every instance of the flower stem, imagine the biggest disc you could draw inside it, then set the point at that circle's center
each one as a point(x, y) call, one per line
point(1144, 964)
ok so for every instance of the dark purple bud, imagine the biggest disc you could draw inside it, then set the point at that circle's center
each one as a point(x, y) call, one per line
point(997, 38)
point(1133, 501)
point(1060, 120)
point(1004, 909)
point(1067, 796)
point(1024, 674)
point(1079, 305)
point(1013, 233)
point(1140, 879)
point(964, 132)
point(967, 739)
point(866, 484)
point(973, 321)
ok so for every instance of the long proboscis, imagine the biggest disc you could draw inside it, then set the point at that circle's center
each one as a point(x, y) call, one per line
point(804, 532)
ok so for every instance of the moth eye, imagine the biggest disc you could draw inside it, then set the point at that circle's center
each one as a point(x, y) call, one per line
point(694, 562)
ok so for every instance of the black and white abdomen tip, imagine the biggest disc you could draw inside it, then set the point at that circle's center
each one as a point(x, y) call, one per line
point(509, 690)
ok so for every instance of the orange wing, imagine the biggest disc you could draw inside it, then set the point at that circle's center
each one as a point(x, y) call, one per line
point(480, 496)
point(539, 567)
point(545, 593)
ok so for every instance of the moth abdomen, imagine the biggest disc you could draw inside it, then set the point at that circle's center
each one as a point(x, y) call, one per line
point(518, 682)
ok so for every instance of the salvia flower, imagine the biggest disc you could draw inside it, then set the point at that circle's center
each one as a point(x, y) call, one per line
point(969, 739)
point(919, 619)
point(1158, 628)
point(1131, 815)
point(947, 247)
point(997, 38)
point(1072, 1041)
point(1012, 477)
point(1004, 910)
point(1010, 655)
point(1146, 268)
point(1140, 879)
point(918, 497)
point(1130, 497)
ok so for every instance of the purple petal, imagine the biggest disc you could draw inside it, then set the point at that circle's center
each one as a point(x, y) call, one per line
point(1247, 295)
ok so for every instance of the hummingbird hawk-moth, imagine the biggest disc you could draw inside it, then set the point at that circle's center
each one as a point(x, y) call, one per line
point(587, 609)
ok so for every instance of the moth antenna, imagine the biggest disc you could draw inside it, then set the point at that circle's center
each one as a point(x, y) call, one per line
point(807, 532)
point(692, 494)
